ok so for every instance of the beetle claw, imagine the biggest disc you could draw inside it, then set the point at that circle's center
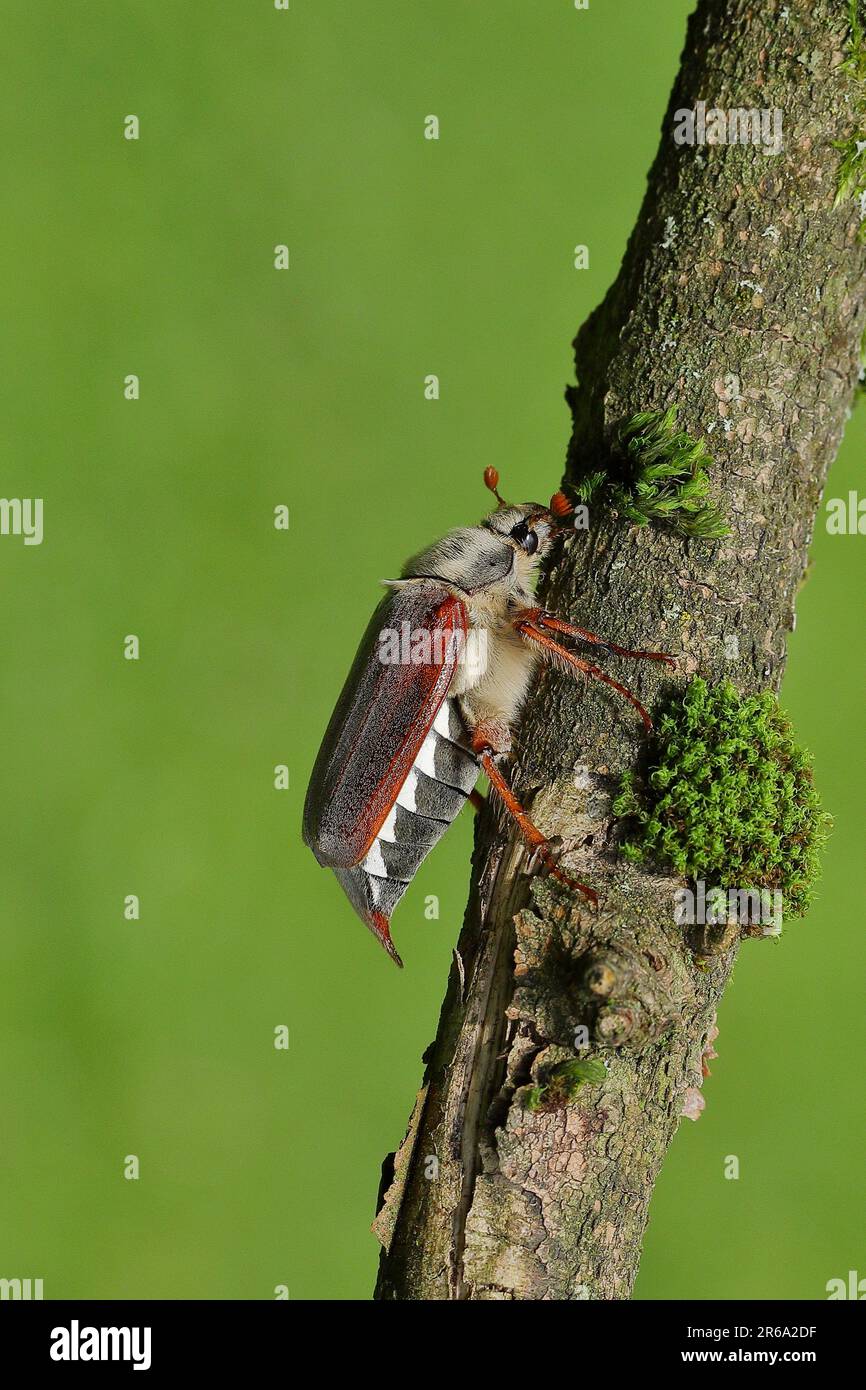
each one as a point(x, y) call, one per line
point(546, 855)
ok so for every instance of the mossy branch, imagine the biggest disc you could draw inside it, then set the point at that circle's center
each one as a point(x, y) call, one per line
point(539, 1200)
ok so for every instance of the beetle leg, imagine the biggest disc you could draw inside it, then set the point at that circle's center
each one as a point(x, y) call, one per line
point(539, 617)
point(490, 736)
point(533, 837)
point(538, 638)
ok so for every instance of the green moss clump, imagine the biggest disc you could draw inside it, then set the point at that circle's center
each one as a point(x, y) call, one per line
point(856, 59)
point(564, 1082)
point(729, 798)
point(852, 172)
point(851, 176)
point(657, 473)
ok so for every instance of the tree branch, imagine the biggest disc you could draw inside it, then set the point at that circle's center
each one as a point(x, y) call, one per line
point(740, 298)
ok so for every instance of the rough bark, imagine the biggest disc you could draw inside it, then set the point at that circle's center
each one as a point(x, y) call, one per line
point(741, 298)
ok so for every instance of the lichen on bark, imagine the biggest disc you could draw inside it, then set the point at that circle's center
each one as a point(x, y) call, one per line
point(740, 298)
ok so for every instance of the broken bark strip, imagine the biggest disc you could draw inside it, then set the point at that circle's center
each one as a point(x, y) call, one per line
point(740, 298)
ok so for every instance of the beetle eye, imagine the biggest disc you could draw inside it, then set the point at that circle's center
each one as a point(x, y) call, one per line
point(528, 539)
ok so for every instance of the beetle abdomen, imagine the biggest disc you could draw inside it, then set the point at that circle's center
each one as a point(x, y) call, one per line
point(435, 789)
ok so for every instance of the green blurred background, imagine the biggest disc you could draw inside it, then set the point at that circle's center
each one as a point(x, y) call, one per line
point(305, 387)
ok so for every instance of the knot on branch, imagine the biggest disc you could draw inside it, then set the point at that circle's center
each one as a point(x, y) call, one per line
point(713, 939)
point(629, 997)
point(585, 979)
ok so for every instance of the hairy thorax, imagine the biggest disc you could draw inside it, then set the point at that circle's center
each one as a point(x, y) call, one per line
point(496, 666)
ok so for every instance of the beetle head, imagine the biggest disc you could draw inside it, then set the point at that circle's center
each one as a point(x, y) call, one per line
point(531, 526)
point(498, 557)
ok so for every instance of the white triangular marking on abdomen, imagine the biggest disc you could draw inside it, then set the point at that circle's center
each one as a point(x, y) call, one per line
point(425, 758)
point(374, 863)
point(442, 722)
point(388, 830)
point(406, 794)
